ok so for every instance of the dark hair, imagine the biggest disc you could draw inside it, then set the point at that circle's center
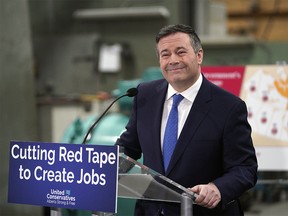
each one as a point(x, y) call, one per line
point(172, 29)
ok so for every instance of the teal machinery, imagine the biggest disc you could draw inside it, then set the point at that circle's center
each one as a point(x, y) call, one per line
point(107, 131)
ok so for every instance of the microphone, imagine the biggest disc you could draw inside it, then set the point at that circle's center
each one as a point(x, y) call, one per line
point(130, 93)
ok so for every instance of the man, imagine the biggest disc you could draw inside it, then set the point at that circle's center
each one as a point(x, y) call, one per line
point(214, 155)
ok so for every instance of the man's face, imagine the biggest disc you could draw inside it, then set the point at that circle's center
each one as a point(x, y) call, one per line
point(179, 64)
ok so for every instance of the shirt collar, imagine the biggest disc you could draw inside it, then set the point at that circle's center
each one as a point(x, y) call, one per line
point(189, 93)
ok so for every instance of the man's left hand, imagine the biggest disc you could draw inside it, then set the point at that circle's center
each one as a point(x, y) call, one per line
point(208, 195)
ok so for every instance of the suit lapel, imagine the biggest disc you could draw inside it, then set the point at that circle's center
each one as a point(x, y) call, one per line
point(157, 101)
point(196, 115)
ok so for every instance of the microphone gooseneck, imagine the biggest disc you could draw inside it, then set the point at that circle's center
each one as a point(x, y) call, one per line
point(130, 93)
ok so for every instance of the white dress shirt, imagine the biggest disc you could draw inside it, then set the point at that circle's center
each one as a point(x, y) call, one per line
point(183, 107)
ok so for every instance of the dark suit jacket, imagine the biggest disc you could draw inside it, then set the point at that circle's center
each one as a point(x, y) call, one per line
point(214, 146)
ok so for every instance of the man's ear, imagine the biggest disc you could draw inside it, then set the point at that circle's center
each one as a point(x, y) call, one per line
point(200, 56)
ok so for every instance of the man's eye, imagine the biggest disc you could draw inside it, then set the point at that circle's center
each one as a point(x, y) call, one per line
point(181, 52)
point(164, 54)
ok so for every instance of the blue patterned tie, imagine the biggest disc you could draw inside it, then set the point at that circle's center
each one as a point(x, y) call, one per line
point(171, 131)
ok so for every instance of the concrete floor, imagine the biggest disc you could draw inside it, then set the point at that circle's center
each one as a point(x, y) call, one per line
point(269, 209)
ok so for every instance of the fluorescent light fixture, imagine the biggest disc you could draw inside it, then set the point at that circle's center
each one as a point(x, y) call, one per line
point(128, 12)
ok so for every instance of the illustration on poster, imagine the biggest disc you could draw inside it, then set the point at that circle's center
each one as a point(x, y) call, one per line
point(266, 94)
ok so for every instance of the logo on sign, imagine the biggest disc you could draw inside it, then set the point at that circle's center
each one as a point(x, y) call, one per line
point(61, 197)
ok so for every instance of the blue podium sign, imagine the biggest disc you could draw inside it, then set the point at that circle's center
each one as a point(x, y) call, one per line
point(64, 175)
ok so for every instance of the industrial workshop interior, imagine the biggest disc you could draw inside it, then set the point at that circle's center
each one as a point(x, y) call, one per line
point(63, 62)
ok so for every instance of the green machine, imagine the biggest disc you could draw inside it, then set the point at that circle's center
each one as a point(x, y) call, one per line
point(107, 131)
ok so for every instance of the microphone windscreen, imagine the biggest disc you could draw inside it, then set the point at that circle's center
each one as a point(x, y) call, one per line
point(132, 92)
